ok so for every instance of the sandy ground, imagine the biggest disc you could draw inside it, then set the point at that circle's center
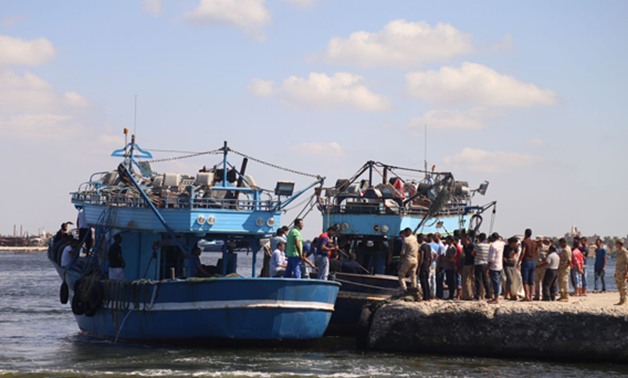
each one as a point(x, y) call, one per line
point(602, 303)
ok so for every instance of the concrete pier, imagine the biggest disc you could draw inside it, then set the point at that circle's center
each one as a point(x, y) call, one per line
point(587, 328)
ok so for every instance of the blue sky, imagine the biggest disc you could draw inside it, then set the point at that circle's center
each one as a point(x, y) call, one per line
point(528, 95)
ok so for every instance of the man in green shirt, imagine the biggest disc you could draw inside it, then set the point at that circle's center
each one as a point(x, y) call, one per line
point(294, 250)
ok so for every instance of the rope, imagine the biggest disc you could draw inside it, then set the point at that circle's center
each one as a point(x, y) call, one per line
point(366, 285)
point(275, 166)
point(212, 152)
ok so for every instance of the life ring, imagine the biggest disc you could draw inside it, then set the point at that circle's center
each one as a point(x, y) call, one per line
point(77, 303)
point(64, 293)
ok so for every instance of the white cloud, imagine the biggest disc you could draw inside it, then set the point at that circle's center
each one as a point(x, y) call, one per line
point(76, 100)
point(249, 15)
point(26, 92)
point(318, 149)
point(537, 142)
point(261, 88)
point(15, 51)
point(42, 126)
point(342, 90)
point(301, 3)
point(400, 44)
point(478, 160)
point(152, 7)
point(475, 84)
point(31, 108)
point(470, 119)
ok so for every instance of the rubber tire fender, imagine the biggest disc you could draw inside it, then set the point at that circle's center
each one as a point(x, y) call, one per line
point(94, 300)
point(77, 304)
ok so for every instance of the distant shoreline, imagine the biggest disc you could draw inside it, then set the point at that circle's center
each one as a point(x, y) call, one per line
point(23, 249)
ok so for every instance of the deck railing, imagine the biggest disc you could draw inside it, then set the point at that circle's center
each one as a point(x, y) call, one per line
point(128, 198)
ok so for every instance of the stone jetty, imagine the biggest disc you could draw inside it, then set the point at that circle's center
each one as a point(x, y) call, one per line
point(586, 328)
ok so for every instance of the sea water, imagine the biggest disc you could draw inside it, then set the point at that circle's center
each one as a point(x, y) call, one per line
point(39, 338)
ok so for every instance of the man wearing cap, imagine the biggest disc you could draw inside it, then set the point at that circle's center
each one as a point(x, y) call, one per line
point(621, 269)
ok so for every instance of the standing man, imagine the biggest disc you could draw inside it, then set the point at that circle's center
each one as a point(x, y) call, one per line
point(542, 246)
point(496, 264)
point(621, 269)
point(467, 268)
point(551, 265)
point(449, 266)
point(425, 263)
point(294, 250)
point(85, 231)
point(480, 261)
point(409, 259)
point(600, 264)
point(527, 263)
point(564, 266)
point(584, 249)
point(323, 252)
point(440, 249)
point(576, 268)
point(116, 259)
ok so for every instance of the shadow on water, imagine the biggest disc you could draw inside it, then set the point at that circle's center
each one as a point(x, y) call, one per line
point(39, 338)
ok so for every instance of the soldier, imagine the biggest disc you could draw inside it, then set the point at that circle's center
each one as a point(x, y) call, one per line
point(409, 259)
point(563, 270)
point(621, 269)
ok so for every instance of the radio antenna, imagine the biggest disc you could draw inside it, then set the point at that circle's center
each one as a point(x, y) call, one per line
point(425, 151)
point(135, 117)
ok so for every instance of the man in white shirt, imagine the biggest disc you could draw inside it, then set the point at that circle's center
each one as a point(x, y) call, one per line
point(496, 264)
point(480, 252)
point(278, 260)
point(68, 254)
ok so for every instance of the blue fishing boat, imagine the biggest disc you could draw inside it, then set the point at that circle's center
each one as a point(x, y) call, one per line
point(156, 221)
point(369, 209)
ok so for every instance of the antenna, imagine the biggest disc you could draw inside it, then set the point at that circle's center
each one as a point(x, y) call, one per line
point(425, 151)
point(135, 117)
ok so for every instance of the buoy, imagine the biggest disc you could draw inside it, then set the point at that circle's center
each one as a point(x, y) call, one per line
point(64, 293)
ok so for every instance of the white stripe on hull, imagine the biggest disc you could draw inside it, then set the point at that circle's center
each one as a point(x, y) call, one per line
point(223, 305)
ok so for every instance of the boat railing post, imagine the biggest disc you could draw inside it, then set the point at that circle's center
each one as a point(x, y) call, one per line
point(255, 248)
point(224, 164)
point(225, 256)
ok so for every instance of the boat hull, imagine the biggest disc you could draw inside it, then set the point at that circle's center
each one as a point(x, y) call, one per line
point(357, 291)
point(391, 225)
point(209, 309)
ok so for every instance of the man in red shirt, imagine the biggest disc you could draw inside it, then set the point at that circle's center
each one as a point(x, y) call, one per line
point(323, 252)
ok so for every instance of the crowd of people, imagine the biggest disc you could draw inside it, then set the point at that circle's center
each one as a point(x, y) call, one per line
point(466, 266)
point(288, 255)
point(488, 267)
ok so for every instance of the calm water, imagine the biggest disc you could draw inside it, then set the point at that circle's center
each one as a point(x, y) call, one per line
point(39, 338)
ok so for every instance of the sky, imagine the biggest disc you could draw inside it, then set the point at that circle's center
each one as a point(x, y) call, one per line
point(530, 96)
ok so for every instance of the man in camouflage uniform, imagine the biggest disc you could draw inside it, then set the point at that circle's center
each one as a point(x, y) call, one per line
point(563, 270)
point(621, 269)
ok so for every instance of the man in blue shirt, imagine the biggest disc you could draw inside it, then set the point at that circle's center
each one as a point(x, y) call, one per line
point(600, 264)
